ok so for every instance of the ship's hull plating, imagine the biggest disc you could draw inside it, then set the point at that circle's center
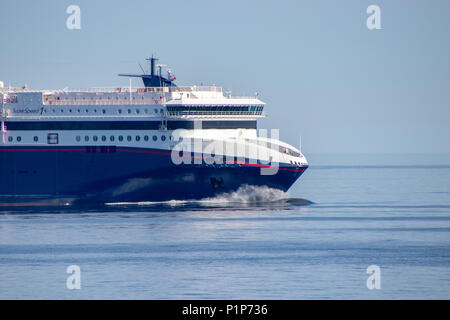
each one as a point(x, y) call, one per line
point(59, 175)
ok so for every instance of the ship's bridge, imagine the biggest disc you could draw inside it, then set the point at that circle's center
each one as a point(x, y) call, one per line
point(194, 101)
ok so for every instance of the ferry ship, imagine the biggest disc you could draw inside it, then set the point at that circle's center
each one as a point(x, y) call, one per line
point(153, 143)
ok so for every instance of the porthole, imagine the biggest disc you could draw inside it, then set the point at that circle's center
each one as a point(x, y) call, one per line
point(111, 138)
point(129, 138)
point(95, 138)
point(137, 111)
point(155, 138)
point(10, 139)
point(156, 110)
point(119, 111)
point(120, 138)
point(146, 138)
point(78, 138)
point(103, 111)
point(86, 138)
point(129, 110)
point(103, 138)
point(19, 138)
point(163, 138)
point(36, 139)
point(138, 138)
point(145, 111)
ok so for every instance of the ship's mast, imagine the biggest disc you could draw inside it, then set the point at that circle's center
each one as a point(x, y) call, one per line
point(155, 78)
point(152, 62)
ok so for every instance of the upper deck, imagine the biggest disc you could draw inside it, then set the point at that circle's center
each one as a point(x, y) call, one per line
point(177, 102)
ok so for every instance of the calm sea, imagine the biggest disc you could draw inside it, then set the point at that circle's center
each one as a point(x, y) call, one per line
point(346, 213)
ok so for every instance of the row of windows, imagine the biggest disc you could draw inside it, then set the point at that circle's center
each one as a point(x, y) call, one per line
point(122, 138)
point(103, 138)
point(19, 139)
point(215, 108)
point(103, 111)
point(90, 98)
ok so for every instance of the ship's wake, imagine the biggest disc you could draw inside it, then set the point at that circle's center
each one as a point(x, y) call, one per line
point(248, 195)
point(245, 196)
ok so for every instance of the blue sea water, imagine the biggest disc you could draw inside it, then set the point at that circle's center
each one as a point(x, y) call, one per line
point(346, 213)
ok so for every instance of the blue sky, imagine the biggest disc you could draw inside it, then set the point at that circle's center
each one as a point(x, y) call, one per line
point(323, 74)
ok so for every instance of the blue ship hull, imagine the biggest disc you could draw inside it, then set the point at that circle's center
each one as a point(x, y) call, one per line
point(60, 175)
